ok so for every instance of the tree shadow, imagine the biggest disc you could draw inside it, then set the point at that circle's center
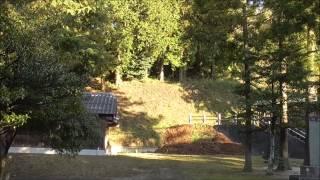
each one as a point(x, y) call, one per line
point(135, 127)
point(213, 96)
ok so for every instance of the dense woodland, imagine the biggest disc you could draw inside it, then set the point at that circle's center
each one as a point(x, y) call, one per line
point(49, 51)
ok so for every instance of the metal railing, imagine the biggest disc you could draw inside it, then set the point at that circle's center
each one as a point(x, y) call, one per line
point(296, 133)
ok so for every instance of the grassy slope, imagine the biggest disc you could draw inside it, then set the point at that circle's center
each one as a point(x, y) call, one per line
point(135, 167)
point(148, 107)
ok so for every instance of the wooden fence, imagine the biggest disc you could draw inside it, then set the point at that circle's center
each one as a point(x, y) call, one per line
point(215, 120)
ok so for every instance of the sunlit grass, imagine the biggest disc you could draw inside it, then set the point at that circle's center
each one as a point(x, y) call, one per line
point(188, 158)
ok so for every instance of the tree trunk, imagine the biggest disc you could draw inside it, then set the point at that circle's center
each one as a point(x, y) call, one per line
point(146, 74)
point(3, 172)
point(103, 83)
point(306, 161)
point(118, 76)
point(283, 164)
point(247, 78)
point(6, 139)
point(161, 74)
point(182, 73)
point(272, 150)
point(284, 150)
point(118, 80)
point(248, 150)
point(283, 154)
point(272, 130)
point(213, 70)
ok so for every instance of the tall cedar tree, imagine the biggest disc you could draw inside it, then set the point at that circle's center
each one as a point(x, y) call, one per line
point(287, 59)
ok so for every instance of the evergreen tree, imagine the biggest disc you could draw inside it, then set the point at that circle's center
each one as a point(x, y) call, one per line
point(287, 60)
point(249, 47)
point(35, 88)
point(212, 23)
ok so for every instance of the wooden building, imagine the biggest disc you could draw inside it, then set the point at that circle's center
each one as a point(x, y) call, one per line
point(103, 105)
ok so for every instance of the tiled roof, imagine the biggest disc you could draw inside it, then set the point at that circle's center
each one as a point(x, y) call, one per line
point(100, 103)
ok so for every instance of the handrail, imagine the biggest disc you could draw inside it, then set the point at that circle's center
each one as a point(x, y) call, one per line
point(294, 132)
point(297, 133)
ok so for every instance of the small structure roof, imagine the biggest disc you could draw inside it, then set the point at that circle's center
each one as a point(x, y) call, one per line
point(100, 103)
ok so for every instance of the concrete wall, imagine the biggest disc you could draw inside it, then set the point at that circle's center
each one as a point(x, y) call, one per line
point(314, 139)
point(261, 141)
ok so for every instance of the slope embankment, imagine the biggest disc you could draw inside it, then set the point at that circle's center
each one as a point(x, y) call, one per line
point(148, 108)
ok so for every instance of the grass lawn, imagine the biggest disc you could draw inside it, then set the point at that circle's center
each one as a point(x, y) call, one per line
point(136, 167)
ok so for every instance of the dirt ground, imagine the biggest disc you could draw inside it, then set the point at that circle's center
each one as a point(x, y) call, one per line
point(198, 139)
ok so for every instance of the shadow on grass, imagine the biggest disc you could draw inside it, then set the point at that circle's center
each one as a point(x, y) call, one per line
point(213, 96)
point(138, 126)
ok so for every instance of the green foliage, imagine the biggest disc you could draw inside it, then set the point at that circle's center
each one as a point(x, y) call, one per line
point(48, 50)
point(211, 32)
point(37, 90)
point(96, 37)
point(14, 120)
point(146, 31)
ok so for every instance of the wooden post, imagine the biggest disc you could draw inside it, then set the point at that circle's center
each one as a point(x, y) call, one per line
point(204, 118)
point(190, 118)
point(219, 119)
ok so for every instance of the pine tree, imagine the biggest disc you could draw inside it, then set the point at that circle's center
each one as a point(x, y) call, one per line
point(286, 60)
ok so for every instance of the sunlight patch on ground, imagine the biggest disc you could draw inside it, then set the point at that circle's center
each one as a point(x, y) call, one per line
point(189, 158)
